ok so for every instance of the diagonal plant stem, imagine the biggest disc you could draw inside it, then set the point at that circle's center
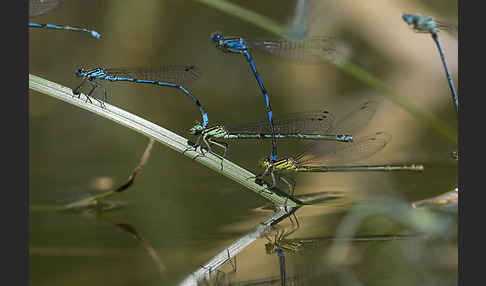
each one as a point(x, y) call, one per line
point(347, 67)
point(166, 137)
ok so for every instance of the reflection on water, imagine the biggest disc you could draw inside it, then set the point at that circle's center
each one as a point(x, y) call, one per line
point(145, 244)
point(95, 207)
point(338, 256)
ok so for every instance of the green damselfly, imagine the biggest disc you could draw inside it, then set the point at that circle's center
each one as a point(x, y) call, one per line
point(314, 125)
point(329, 157)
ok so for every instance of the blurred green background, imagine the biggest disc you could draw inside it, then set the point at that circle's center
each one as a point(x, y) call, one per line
point(189, 213)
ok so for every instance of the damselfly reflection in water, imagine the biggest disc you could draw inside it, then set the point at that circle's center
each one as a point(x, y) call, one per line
point(298, 279)
point(282, 246)
point(220, 277)
point(295, 245)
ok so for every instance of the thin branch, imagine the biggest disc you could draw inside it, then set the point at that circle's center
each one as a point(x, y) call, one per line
point(138, 169)
point(98, 198)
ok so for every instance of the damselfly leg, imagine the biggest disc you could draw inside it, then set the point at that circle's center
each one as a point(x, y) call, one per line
point(220, 275)
point(94, 84)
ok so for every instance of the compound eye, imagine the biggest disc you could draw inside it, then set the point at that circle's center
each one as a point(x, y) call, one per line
point(216, 36)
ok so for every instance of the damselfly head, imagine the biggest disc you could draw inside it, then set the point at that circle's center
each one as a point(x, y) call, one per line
point(80, 72)
point(217, 38)
point(421, 23)
point(264, 163)
point(410, 18)
point(196, 129)
point(270, 248)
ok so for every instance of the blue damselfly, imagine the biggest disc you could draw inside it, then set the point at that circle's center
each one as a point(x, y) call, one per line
point(426, 24)
point(239, 46)
point(167, 76)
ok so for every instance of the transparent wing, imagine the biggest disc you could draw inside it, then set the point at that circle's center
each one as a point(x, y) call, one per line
point(354, 121)
point(39, 7)
point(450, 28)
point(305, 51)
point(338, 153)
point(176, 74)
point(315, 122)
